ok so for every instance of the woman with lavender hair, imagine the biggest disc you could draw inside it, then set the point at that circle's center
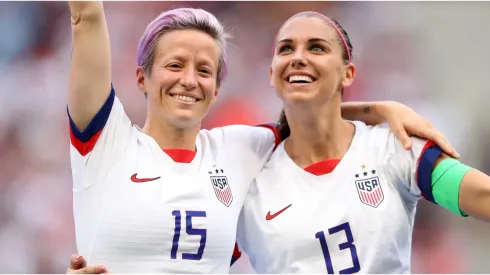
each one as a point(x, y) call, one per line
point(165, 198)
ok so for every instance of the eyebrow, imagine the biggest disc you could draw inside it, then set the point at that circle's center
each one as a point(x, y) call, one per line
point(311, 40)
point(183, 58)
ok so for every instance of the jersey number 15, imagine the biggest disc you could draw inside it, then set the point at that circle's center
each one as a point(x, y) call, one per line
point(190, 231)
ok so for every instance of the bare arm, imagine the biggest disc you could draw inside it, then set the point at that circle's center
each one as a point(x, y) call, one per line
point(90, 70)
point(474, 191)
point(474, 195)
point(366, 112)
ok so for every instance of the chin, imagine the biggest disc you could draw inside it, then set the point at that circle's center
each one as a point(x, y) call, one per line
point(300, 97)
point(186, 117)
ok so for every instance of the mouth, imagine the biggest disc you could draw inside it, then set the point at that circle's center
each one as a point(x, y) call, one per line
point(185, 99)
point(300, 79)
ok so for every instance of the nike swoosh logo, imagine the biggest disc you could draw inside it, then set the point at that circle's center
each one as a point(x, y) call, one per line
point(135, 179)
point(270, 217)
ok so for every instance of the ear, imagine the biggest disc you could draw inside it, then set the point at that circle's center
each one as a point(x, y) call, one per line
point(140, 79)
point(350, 73)
point(215, 96)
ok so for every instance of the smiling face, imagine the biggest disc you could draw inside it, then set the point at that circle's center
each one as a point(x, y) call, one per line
point(308, 64)
point(182, 84)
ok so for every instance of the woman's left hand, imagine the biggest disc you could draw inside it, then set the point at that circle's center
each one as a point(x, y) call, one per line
point(404, 121)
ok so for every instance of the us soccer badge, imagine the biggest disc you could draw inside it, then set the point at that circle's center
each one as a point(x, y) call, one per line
point(221, 187)
point(369, 187)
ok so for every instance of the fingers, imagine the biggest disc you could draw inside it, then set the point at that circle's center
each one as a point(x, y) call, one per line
point(402, 135)
point(410, 123)
point(76, 262)
point(436, 136)
point(428, 133)
point(441, 140)
point(77, 266)
point(91, 269)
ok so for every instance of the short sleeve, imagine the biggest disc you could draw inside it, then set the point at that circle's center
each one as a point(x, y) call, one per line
point(259, 141)
point(412, 169)
point(95, 150)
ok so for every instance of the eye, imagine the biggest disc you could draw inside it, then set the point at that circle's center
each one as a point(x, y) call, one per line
point(205, 71)
point(285, 48)
point(317, 48)
point(174, 66)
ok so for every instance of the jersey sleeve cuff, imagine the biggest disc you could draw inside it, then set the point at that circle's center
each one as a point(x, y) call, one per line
point(429, 155)
point(236, 254)
point(84, 141)
point(273, 128)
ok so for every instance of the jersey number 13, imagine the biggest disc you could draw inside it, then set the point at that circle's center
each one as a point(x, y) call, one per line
point(348, 244)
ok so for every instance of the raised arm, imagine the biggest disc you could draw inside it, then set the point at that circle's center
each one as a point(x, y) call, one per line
point(90, 71)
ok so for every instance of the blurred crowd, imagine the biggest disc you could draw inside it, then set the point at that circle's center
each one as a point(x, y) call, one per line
point(430, 56)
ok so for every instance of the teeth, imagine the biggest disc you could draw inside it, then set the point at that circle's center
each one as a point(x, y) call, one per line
point(304, 78)
point(184, 98)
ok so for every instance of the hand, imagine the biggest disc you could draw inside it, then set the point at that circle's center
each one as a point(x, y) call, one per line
point(78, 266)
point(404, 121)
point(89, 10)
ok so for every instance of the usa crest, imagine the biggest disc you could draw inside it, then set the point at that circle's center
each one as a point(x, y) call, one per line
point(221, 187)
point(368, 187)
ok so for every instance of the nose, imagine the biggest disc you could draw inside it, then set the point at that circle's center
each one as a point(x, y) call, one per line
point(189, 79)
point(298, 60)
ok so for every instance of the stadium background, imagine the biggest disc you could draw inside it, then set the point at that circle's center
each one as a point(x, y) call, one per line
point(432, 56)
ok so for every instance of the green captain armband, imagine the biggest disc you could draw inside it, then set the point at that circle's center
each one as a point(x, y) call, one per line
point(446, 180)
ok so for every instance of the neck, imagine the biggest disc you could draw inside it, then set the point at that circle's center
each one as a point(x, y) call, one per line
point(170, 137)
point(317, 133)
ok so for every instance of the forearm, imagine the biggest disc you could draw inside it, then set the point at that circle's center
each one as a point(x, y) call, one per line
point(90, 71)
point(367, 112)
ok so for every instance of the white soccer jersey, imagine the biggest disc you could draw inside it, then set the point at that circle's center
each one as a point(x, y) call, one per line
point(138, 211)
point(347, 216)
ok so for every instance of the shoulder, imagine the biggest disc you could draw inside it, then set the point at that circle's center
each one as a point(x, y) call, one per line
point(258, 131)
point(376, 135)
point(383, 141)
point(241, 134)
point(388, 153)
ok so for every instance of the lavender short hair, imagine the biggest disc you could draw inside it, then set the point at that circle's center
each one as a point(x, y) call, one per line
point(182, 19)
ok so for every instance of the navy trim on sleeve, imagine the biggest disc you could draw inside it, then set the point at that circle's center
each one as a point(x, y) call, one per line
point(98, 122)
point(424, 171)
